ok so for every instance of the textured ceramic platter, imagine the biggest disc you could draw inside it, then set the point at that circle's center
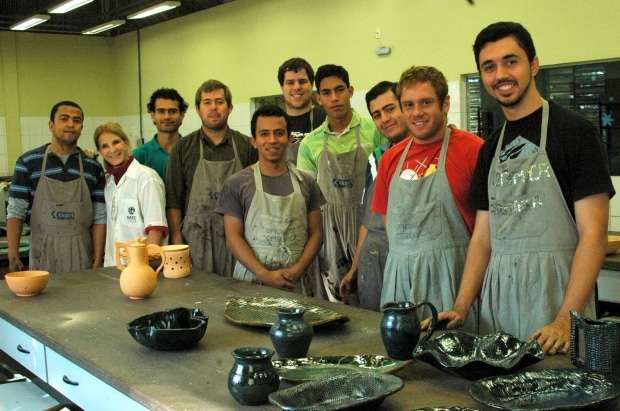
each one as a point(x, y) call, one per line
point(445, 409)
point(314, 368)
point(557, 389)
point(360, 390)
point(263, 311)
point(474, 357)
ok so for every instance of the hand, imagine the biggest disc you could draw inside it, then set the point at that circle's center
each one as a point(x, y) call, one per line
point(15, 264)
point(276, 279)
point(347, 285)
point(291, 273)
point(554, 337)
point(454, 318)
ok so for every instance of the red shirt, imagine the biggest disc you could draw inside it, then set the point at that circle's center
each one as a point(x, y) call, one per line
point(422, 160)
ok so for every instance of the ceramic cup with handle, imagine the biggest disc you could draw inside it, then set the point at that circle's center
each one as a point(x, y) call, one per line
point(400, 328)
point(595, 344)
point(177, 263)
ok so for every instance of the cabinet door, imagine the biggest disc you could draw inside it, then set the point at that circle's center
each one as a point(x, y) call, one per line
point(23, 348)
point(83, 388)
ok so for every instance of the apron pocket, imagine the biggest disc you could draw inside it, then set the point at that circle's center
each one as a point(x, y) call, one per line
point(422, 222)
point(521, 217)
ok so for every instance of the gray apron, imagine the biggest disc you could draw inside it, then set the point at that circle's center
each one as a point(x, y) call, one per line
point(276, 228)
point(61, 217)
point(372, 258)
point(341, 178)
point(533, 241)
point(428, 239)
point(203, 228)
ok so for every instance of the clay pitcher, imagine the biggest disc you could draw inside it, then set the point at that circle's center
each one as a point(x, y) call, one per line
point(400, 328)
point(120, 250)
point(138, 279)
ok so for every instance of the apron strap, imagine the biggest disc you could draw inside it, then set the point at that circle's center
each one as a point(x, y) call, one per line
point(292, 171)
point(44, 165)
point(444, 149)
point(543, 129)
point(403, 156)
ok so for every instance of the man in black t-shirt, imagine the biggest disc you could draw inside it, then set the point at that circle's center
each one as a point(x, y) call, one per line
point(542, 200)
point(296, 78)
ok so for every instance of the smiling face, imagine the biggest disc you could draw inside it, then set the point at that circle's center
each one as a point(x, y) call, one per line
point(214, 110)
point(271, 139)
point(335, 97)
point(113, 149)
point(67, 125)
point(387, 115)
point(297, 90)
point(167, 116)
point(425, 114)
point(506, 72)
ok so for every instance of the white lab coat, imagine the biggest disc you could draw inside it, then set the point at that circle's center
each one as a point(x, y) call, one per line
point(132, 205)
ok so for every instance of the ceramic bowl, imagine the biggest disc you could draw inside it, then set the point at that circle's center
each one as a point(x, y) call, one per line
point(27, 283)
point(176, 329)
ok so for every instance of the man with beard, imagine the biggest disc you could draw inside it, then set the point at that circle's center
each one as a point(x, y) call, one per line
point(422, 190)
point(541, 190)
point(366, 272)
point(295, 76)
point(59, 189)
point(167, 109)
point(272, 211)
point(336, 153)
point(199, 165)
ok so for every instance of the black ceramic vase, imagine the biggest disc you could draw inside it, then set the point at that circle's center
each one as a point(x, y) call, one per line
point(291, 334)
point(400, 328)
point(252, 377)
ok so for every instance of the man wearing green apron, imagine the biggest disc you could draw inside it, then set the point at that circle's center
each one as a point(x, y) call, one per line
point(272, 212)
point(336, 153)
point(366, 272)
point(199, 164)
point(542, 190)
point(60, 188)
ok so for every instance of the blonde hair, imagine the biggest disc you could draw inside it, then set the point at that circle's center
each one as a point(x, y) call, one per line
point(113, 128)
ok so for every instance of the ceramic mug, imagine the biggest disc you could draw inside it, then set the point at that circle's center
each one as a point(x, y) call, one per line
point(177, 263)
point(595, 345)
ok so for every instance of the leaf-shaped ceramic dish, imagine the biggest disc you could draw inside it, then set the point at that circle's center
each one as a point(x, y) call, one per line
point(263, 311)
point(367, 389)
point(175, 329)
point(557, 389)
point(314, 368)
point(475, 357)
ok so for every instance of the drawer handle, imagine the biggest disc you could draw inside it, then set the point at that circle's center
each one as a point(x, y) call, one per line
point(66, 380)
point(22, 349)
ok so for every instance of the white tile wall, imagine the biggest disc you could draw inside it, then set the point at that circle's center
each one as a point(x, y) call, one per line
point(614, 207)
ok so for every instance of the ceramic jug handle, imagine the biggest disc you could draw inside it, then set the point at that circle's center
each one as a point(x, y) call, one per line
point(431, 329)
point(576, 328)
point(161, 254)
point(117, 256)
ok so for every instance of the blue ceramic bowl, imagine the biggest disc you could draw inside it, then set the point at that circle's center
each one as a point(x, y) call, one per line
point(176, 329)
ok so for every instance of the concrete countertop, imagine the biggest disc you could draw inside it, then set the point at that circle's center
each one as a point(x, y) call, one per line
point(83, 316)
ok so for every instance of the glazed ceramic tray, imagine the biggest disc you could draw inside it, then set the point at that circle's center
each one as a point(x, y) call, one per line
point(557, 389)
point(314, 368)
point(367, 390)
point(445, 409)
point(263, 311)
point(474, 357)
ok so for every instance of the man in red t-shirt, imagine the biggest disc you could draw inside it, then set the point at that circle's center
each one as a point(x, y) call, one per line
point(428, 175)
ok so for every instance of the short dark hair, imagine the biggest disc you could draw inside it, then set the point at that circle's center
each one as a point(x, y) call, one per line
point(329, 70)
point(268, 111)
point(168, 94)
point(212, 85)
point(64, 103)
point(500, 30)
point(295, 64)
point(378, 89)
point(425, 74)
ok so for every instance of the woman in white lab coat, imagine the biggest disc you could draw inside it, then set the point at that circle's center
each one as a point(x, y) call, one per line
point(134, 193)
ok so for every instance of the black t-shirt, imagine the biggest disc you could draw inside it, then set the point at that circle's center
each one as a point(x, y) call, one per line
point(303, 124)
point(575, 152)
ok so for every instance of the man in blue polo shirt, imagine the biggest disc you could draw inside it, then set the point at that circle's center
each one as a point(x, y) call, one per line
point(167, 109)
point(59, 190)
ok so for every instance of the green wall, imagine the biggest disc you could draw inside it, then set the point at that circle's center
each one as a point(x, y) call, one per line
point(243, 42)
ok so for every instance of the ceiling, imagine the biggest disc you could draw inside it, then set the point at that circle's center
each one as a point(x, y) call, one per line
point(95, 13)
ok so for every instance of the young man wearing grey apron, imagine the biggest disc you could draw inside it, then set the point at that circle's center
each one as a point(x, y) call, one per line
point(336, 153)
point(542, 190)
point(295, 76)
point(422, 188)
point(366, 272)
point(199, 164)
point(67, 208)
point(272, 212)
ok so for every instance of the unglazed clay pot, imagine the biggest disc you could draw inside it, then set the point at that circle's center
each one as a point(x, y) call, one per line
point(138, 279)
point(177, 263)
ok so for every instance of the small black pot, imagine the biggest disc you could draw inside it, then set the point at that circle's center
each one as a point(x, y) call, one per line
point(252, 377)
point(400, 328)
point(291, 334)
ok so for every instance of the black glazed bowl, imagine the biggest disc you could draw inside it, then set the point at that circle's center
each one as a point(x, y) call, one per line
point(175, 329)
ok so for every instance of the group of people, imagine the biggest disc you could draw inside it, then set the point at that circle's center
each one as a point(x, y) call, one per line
point(505, 234)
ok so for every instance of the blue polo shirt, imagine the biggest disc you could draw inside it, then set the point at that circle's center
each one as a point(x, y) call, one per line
point(152, 155)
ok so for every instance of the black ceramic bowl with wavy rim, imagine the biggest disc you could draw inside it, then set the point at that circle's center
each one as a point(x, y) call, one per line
point(175, 329)
point(456, 408)
point(474, 357)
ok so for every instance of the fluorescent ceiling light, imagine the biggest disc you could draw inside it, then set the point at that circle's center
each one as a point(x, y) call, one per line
point(68, 5)
point(30, 22)
point(103, 27)
point(158, 8)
